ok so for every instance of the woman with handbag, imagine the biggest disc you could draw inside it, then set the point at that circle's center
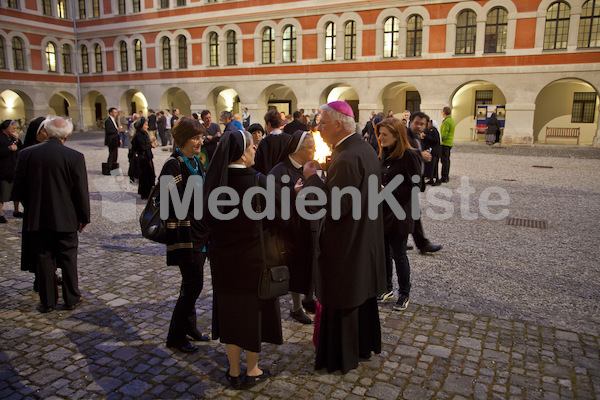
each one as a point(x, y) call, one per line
point(141, 164)
point(241, 319)
point(398, 158)
point(185, 238)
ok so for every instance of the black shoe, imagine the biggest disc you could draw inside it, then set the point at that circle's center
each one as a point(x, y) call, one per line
point(300, 316)
point(437, 183)
point(199, 336)
point(410, 247)
point(74, 306)
point(236, 381)
point(3, 219)
point(186, 348)
point(431, 248)
point(364, 356)
point(43, 309)
point(402, 303)
point(251, 381)
point(386, 295)
point(18, 214)
point(444, 180)
point(310, 306)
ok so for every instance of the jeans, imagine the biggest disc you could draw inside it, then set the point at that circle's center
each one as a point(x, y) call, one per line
point(395, 247)
point(123, 137)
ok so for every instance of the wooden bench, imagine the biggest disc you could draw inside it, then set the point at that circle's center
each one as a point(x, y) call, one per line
point(563, 133)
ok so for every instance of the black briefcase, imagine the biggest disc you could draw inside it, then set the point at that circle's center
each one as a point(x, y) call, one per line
point(105, 170)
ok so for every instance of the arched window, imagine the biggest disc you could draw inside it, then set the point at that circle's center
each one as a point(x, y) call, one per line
point(496, 27)
point(66, 56)
point(391, 32)
point(123, 53)
point(330, 41)
point(231, 48)
point(182, 51)
point(81, 4)
point(96, 8)
point(47, 7)
point(289, 44)
point(350, 40)
point(122, 9)
point(51, 57)
point(2, 54)
point(557, 26)
point(414, 36)
point(98, 57)
point(268, 46)
point(136, 6)
point(137, 48)
point(85, 60)
point(214, 49)
point(466, 32)
point(589, 25)
point(61, 9)
point(18, 55)
point(166, 52)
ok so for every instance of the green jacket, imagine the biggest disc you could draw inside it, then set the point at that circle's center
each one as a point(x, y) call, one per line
point(447, 132)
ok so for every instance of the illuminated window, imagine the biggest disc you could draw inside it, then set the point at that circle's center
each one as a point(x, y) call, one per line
point(231, 48)
point(466, 32)
point(214, 49)
point(557, 26)
point(350, 40)
point(51, 57)
point(268, 46)
point(95, 8)
point(61, 9)
point(330, 41)
point(414, 36)
point(136, 6)
point(13, 4)
point(85, 60)
point(589, 25)
point(166, 51)
point(47, 7)
point(98, 57)
point(66, 57)
point(391, 32)
point(81, 4)
point(18, 55)
point(122, 9)
point(137, 46)
point(182, 51)
point(123, 53)
point(496, 27)
point(289, 44)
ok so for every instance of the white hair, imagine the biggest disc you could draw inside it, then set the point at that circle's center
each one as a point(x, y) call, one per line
point(60, 132)
point(347, 121)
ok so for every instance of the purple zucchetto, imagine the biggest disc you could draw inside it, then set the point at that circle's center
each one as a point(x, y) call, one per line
point(343, 107)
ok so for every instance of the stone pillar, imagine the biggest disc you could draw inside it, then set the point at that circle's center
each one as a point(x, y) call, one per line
point(597, 137)
point(518, 129)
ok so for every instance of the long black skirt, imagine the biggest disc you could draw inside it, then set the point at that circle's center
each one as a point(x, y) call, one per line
point(347, 334)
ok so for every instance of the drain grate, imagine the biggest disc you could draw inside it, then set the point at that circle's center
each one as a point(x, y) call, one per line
point(528, 223)
point(542, 166)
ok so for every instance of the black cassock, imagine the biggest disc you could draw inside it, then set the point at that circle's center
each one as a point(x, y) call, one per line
point(269, 151)
point(351, 270)
point(298, 237)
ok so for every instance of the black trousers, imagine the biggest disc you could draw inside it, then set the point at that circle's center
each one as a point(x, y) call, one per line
point(163, 137)
point(113, 153)
point(57, 250)
point(446, 162)
point(419, 236)
point(432, 168)
point(183, 320)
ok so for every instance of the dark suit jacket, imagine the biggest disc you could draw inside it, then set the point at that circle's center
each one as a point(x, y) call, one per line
point(294, 126)
point(351, 264)
point(111, 133)
point(51, 182)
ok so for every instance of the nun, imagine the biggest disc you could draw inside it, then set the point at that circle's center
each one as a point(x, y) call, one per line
point(300, 238)
point(240, 319)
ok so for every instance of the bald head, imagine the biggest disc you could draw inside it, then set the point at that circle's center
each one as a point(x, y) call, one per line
point(59, 127)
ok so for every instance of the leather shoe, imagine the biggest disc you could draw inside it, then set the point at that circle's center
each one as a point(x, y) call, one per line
point(74, 306)
point(410, 247)
point(300, 316)
point(431, 248)
point(199, 336)
point(251, 381)
point(186, 348)
point(18, 214)
point(43, 309)
point(236, 381)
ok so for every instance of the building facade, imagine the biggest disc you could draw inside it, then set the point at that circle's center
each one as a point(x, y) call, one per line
point(538, 58)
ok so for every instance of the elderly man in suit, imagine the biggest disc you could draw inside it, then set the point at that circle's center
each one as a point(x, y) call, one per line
point(111, 137)
point(51, 181)
point(351, 267)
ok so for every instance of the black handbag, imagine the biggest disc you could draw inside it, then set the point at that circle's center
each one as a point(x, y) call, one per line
point(275, 280)
point(152, 226)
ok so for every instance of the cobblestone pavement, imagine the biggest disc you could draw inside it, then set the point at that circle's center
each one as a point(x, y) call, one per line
point(499, 312)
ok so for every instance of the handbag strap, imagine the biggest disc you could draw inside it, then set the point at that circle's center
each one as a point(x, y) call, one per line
point(260, 227)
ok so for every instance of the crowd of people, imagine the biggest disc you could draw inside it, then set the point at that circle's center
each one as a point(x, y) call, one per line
point(340, 266)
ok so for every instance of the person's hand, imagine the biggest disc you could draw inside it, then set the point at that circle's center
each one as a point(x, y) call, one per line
point(310, 169)
point(298, 186)
point(12, 147)
point(426, 156)
point(81, 226)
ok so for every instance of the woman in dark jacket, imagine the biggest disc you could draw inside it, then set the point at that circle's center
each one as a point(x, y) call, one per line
point(141, 164)
point(398, 158)
point(492, 134)
point(299, 239)
point(9, 152)
point(185, 237)
point(240, 319)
